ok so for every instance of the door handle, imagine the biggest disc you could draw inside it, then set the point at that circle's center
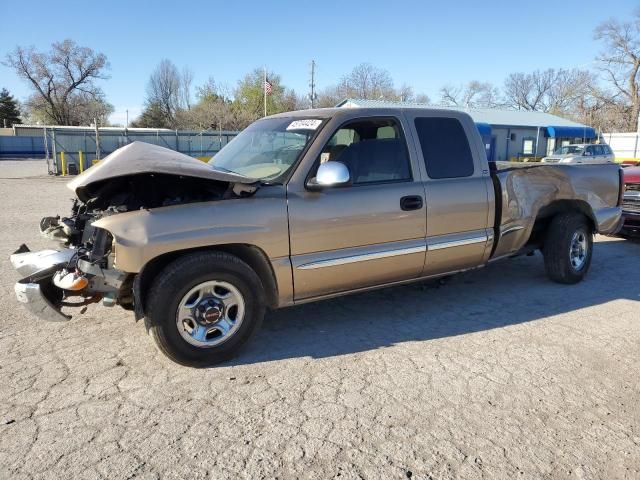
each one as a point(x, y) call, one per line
point(411, 202)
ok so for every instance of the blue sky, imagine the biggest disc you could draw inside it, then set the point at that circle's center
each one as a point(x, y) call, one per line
point(423, 43)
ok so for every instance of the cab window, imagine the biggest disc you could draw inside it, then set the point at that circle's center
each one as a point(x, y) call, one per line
point(373, 150)
point(445, 147)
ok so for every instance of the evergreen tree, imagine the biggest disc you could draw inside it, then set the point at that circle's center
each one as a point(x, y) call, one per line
point(9, 112)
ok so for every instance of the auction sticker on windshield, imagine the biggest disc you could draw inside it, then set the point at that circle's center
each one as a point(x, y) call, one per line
point(307, 124)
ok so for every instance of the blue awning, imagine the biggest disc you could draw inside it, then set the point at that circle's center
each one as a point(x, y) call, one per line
point(484, 129)
point(570, 132)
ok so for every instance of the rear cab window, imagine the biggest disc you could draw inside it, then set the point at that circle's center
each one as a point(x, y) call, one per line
point(445, 147)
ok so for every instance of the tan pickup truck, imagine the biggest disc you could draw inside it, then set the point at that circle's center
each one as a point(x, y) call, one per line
point(300, 207)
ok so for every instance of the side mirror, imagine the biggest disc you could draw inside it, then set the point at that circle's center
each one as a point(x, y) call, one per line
point(330, 174)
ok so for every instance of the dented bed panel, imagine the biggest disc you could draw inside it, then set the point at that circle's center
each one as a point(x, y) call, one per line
point(526, 190)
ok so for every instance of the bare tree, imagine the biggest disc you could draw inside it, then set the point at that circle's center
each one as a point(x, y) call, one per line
point(186, 80)
point(367, 81)
point(526, 91)
point(422, 98)
point(164, 89)
point(474, 94)
point(330, 97)
point(405, 93)
point(555, 91)
point(571, 89)
point(61, 78)
point(620, 62)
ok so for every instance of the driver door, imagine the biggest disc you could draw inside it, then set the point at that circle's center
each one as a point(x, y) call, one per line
point(369, 233)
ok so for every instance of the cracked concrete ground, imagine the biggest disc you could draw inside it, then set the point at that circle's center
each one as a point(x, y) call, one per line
point(497, 374)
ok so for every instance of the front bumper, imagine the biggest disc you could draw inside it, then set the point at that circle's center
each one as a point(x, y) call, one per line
point(630, 224)
point(31, 296)
point(35, 291)
point(44, 289)
point(27, 262)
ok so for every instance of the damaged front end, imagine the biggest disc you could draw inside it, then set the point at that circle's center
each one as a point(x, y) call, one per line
point(62, 278)
point(136, 177)
point(79, 274)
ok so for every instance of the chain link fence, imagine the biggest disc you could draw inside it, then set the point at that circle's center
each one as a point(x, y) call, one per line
point(70, 150)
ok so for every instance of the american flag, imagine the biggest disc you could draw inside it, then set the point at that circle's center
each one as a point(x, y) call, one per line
point(268, 88)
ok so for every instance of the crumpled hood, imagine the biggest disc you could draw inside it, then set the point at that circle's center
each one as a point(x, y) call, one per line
point(139, 158)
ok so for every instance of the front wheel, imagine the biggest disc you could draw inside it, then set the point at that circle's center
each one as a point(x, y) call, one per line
point(203, 307)
point(568, 248)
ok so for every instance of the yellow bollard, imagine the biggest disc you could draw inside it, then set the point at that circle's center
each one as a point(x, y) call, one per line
point(64, 169)
point(81, 160)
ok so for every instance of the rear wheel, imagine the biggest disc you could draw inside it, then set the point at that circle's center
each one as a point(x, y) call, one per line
point(568, 248)
point(203, 307)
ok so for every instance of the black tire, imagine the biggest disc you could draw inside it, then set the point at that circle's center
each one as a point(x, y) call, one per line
point(175, 281)
point(557, 247)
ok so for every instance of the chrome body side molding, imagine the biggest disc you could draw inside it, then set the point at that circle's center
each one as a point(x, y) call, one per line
point(515, 228)
point(439, 245)
point(362, 258)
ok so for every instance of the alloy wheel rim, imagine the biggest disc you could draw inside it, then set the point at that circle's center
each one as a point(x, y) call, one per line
point(578, 250)
point(210, 313)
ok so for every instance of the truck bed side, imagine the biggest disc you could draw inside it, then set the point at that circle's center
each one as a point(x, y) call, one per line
point(527, 196)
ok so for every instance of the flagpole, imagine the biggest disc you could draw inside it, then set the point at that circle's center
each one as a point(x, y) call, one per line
point(264, 90)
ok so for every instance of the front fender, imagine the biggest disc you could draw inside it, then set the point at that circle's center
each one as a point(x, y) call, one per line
point(142, 235)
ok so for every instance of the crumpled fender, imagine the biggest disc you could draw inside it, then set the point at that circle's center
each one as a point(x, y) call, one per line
point(143, 235)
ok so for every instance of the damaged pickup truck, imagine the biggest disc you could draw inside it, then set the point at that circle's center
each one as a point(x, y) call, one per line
point(300, 207)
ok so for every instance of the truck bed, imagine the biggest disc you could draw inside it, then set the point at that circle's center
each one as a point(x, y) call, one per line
point(529, 193)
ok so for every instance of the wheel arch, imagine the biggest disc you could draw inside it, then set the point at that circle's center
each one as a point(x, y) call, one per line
point(548, 212)
point(253, 256)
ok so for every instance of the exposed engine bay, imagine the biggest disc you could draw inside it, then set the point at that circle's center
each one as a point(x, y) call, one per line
point(83, 272)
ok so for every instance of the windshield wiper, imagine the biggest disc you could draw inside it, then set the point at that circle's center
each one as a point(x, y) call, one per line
point(226, 170)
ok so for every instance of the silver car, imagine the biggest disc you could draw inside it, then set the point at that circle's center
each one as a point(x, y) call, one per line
point(582, 153)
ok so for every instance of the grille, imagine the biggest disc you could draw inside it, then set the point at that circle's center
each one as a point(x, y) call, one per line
point(631, 205)
point(634, 187)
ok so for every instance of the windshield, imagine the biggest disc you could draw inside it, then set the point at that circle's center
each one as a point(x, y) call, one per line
point(268, 148)
point(570, 150)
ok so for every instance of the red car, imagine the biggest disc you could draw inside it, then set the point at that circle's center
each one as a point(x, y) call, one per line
point(631, 202)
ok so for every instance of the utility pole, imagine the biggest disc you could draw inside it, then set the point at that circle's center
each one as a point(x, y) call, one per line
point(312, 84)
point(127, 124)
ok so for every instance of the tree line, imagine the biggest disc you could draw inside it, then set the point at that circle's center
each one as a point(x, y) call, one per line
point(64, 87)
